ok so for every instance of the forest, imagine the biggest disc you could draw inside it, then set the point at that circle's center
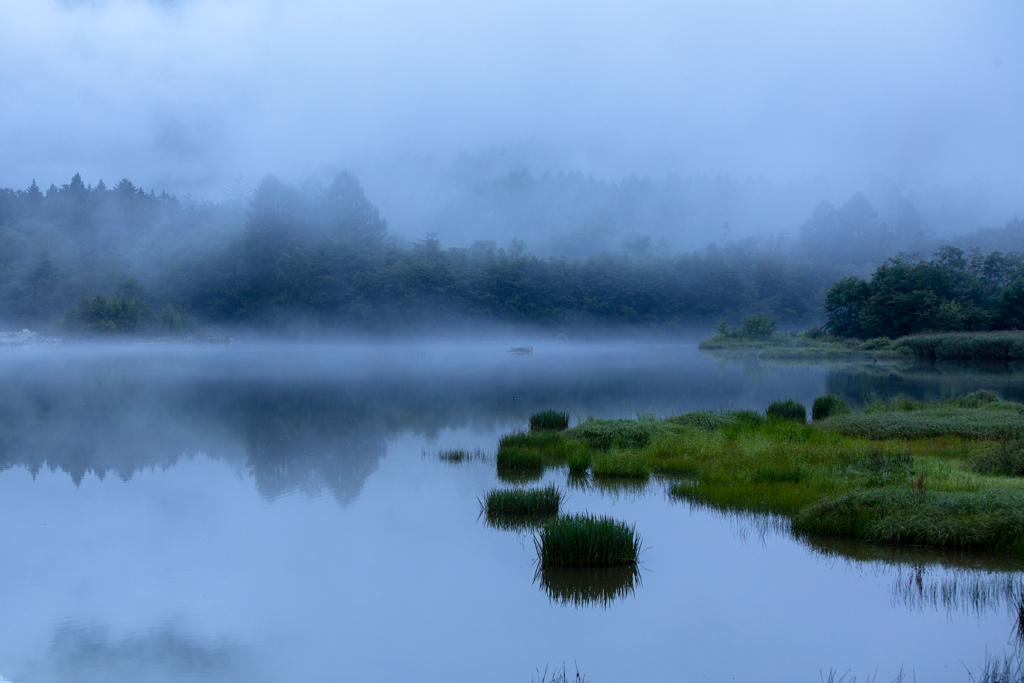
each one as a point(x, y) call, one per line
point(315, 256)
point(952, 292)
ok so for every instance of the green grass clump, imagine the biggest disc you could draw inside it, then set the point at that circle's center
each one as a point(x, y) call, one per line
point(605, 434)
point(456, 456)
point(827, 406)
point(518, 459)
point(523, 451)
point(549, 420)
point(1005, 458)
point(701, 419)
point(518, 501)
point(620, 464)
point(787, 409)
point(986, 520)
point(965, 345)
point(587, 541)
point(907, 419)
point(578, 458)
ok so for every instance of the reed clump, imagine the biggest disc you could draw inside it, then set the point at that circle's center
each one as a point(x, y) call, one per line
point(828, 406)
point(787, 409)
point(620, 464)
point(549, 420)
point(587, 540)
point(457, 456)
point(520, 501)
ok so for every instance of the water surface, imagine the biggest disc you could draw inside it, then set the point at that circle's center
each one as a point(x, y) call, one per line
point(261, 512)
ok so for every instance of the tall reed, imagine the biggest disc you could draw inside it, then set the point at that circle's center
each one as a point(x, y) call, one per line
point(587, 540)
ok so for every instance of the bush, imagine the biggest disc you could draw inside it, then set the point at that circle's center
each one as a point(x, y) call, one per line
point(549, 420)
point(587, 541)
point(787, 409)
point(827, 406)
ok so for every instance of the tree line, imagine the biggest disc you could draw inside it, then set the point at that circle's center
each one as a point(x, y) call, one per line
point(99, 259)
point(952, 292)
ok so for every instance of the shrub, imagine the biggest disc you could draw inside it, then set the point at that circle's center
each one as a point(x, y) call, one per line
point(706, 420)
point(518, 501)
point(549, 420)
point(587, 541)
point(787, 409)
point(827, 406)
point(758, 327)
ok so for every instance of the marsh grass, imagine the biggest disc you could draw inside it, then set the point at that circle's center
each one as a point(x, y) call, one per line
point(606, 434)
point(620, 464)
point(827, 406)
point(549, 420)
point(578, 459)
point(520, 477)
point(1005, 458)
point(965, 345)
point(520, 501)
point(786, 409)
point(587, 540)
point(588, 586)
point(456, 456)
point(972, 417)
point(987, 520)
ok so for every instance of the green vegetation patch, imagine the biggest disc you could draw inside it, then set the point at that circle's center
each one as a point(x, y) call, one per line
point(457, 456)
point(605, 434)
point(624, 464)
point(977, 416)
point(828, 406)
point(787, 409)
point(519, 501)
point(587, 541)
point(549, 420)
point(986, 520)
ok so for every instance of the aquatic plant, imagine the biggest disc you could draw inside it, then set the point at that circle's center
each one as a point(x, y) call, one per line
point(827, 406)
point(550, 420)
point(518, 458)
point(786, 409)
point(620, 464)
point(456, 456)
point(587, 540)
point(913, 420)
point(520, 501)
point(605, 434)
point(987, 520)
point(578, 458)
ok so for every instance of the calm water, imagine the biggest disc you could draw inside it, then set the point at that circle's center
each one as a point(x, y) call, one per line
point(278, 513)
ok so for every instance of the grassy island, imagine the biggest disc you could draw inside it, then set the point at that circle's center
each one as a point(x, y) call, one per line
point(939, 475)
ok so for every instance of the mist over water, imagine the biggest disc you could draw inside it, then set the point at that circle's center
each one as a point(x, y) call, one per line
point(265, 511)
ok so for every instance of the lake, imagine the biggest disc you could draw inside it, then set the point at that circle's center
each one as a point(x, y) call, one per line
point(278, 512)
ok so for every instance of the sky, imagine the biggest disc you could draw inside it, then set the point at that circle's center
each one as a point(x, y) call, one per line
point(187, 95)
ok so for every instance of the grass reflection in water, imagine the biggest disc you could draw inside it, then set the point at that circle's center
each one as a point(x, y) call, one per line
point(588, 586)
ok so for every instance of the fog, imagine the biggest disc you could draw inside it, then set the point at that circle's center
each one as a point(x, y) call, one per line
point(422, 154)
point(813, 100)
